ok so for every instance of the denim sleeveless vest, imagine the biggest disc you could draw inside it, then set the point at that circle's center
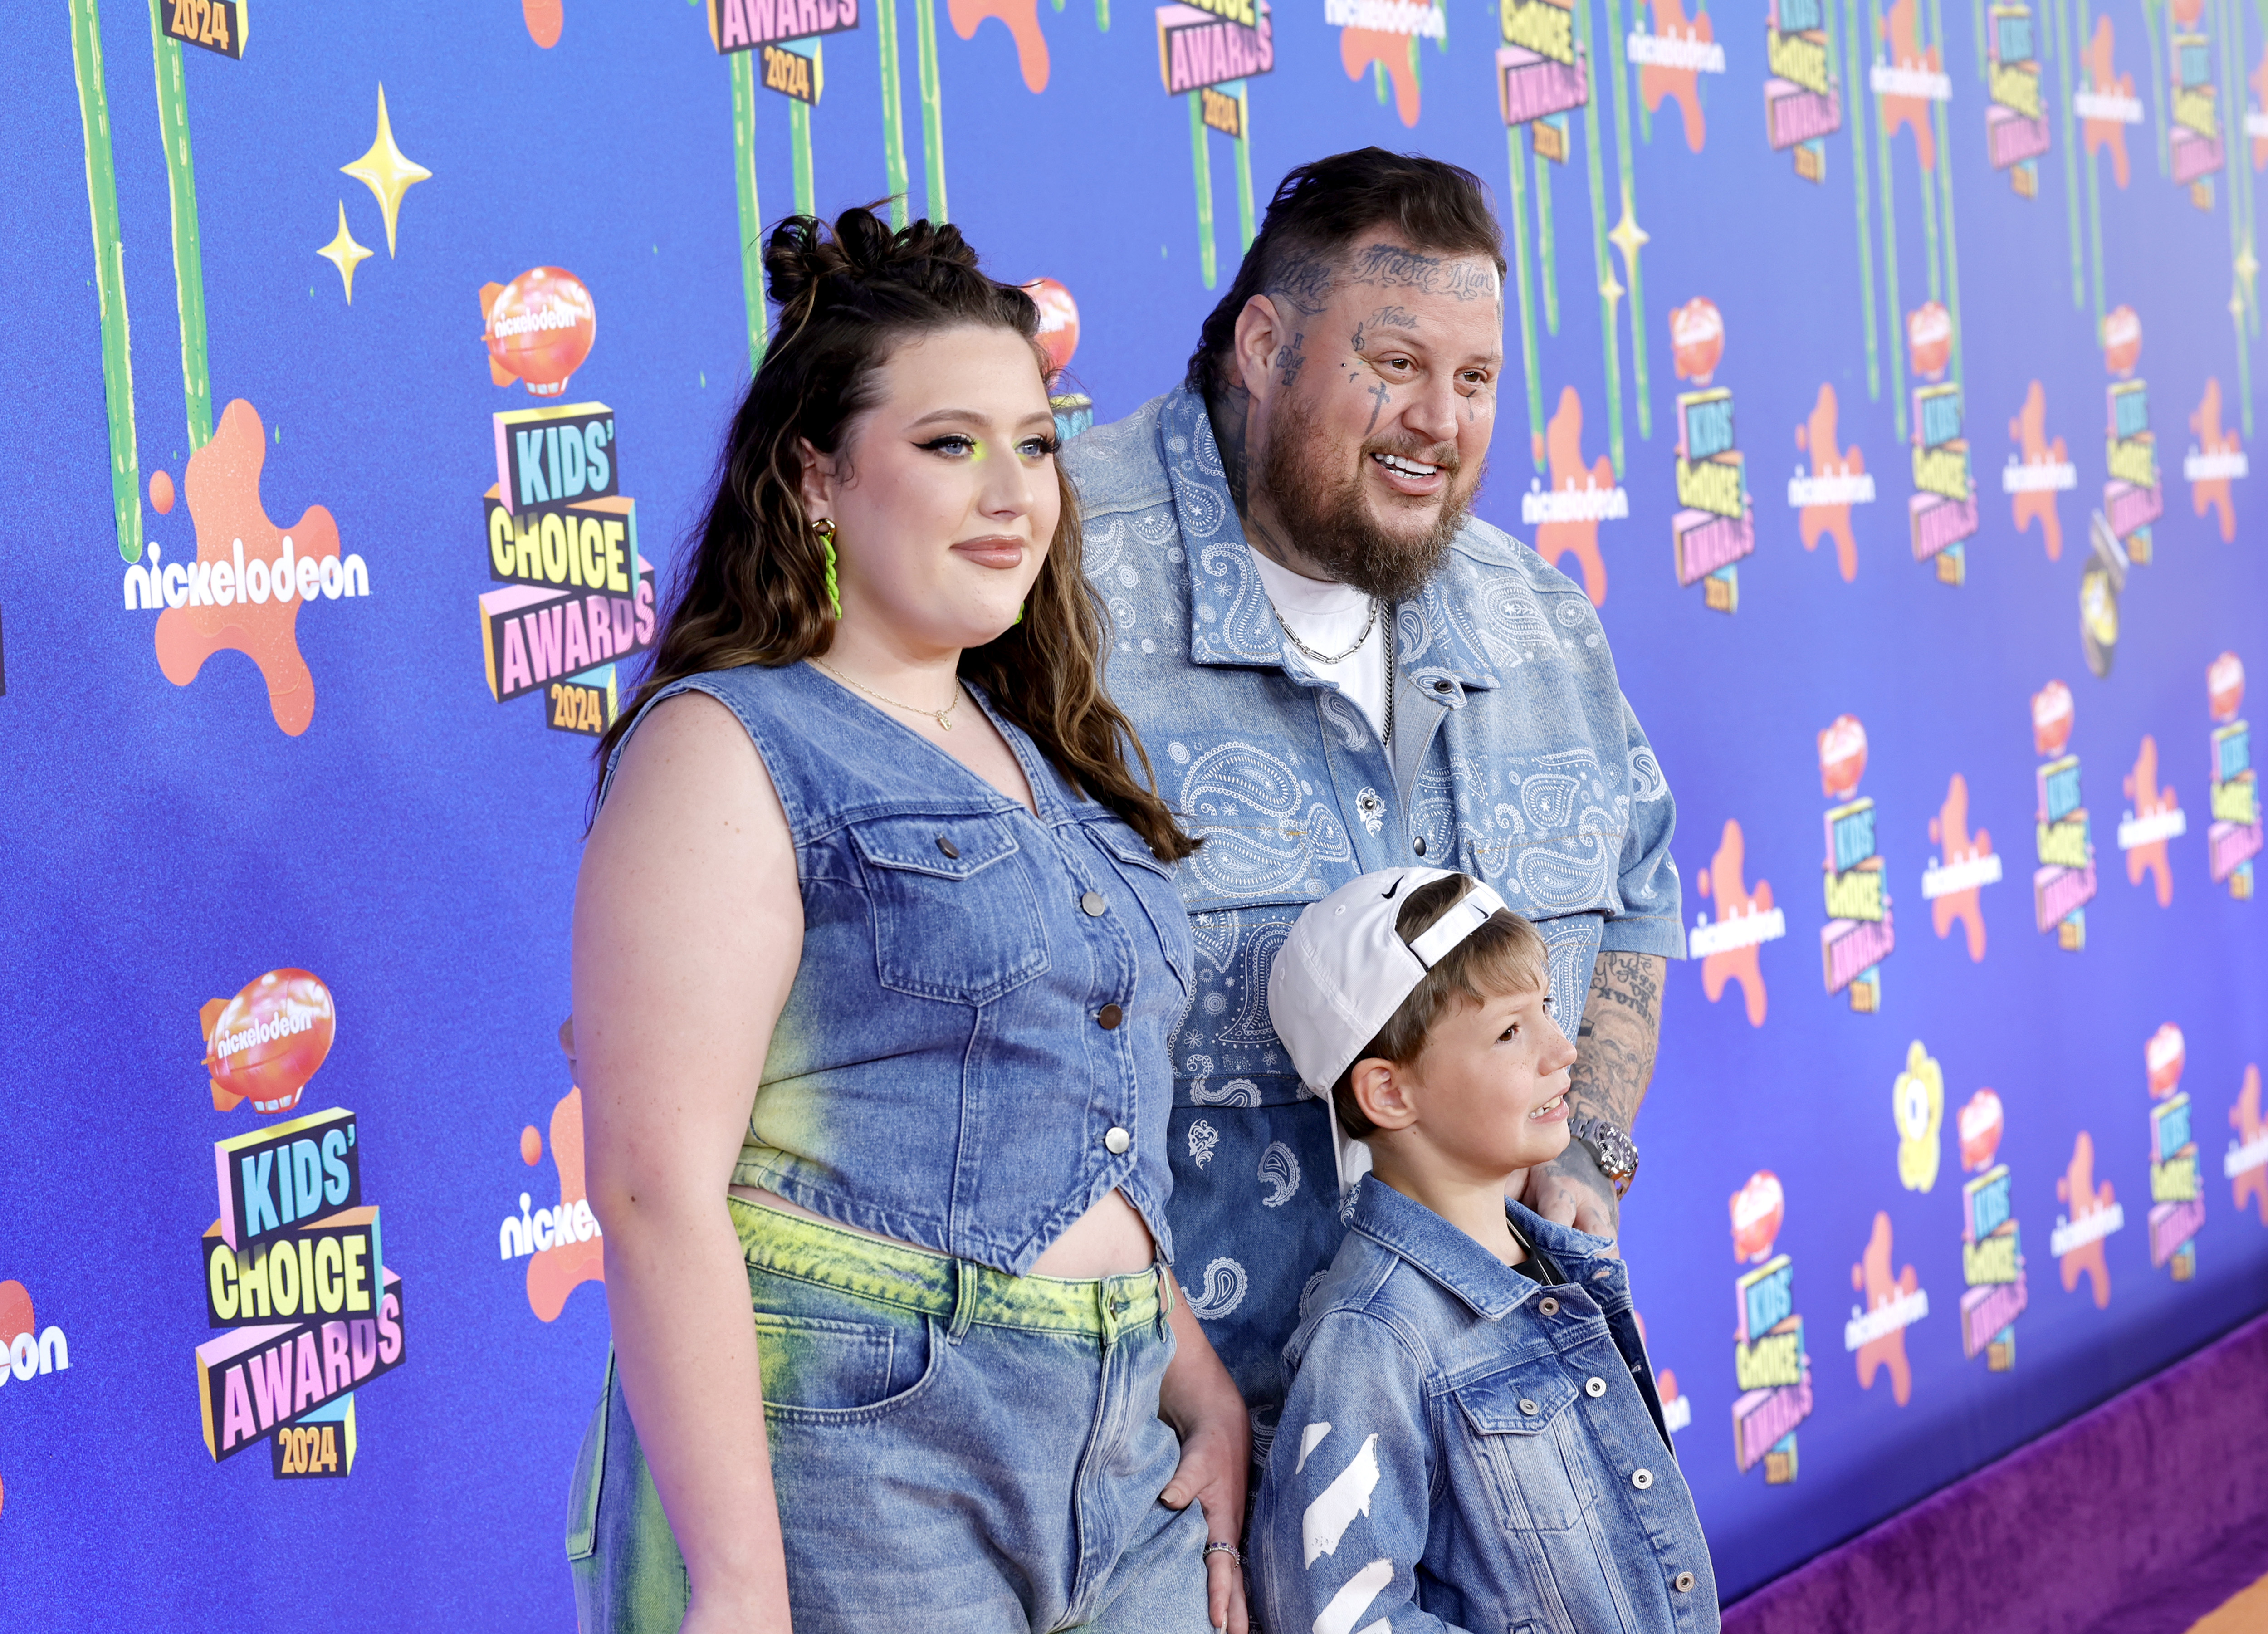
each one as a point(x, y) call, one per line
point(972, 1053)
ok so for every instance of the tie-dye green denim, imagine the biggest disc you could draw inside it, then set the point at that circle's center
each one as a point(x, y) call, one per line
point(954, 1448)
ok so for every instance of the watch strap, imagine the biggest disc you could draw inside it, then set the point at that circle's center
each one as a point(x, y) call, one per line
point(1616, 1152)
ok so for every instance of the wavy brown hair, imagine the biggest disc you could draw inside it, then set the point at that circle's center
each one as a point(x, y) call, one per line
point(753, 590)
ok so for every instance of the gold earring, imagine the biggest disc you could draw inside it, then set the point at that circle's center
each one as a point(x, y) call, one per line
point(825, 529)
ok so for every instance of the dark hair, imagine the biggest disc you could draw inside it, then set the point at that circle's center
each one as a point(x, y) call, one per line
point(1504, 954)
point(753, 590)
point(1321, 209)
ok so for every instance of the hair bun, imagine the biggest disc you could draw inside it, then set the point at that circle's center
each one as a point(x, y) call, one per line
point(804, 254)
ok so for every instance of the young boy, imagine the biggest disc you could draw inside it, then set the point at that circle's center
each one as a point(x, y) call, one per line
point(1472, 1439)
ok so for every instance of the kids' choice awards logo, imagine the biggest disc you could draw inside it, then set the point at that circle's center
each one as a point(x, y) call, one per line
point(2234, 839)
point(245, 585)
point(1803, 94)
point(1715, 525)
point(2198, 150)
point(1859, 934)
point(1542, 73)
point(2015, 119)
point(2133, 496)
point(297, 1293)
point(1768, 1360)
point(2245, 1164)
point(2064, 883)
point(577, 597)
point(1942, 509)
point(1991, 1245)
point(2176, 1185)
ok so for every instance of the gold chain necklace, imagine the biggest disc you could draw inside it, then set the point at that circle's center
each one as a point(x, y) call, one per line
point(938, 716)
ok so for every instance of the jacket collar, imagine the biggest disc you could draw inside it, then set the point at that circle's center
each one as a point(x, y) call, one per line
point(1414, 1233)
point(1230, 621)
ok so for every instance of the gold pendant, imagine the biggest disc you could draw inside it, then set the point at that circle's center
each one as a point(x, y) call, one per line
point(945, 723)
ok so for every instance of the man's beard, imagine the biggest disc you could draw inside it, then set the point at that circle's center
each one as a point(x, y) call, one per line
point(1324, 516)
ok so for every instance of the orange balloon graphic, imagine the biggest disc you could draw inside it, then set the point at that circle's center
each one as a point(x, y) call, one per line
point(1696, 338)
point(161, 492)
point(1929, 338)
point(531, 1146)
point(2122, 340)
point(1759, 1208)
point(2164, 1055)
point(1059, 323)
point(539, 329)
point(1980, 1124)
point(2224, 686)
point(544, 19)
point(264, 1044)
point(2052, 712)
point(1842, 755)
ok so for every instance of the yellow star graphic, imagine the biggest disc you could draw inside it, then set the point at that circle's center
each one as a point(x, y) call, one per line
point(1612, 290)
point(386, 171)
point(344, 253)
point(2247, 266)
point(1628, 235)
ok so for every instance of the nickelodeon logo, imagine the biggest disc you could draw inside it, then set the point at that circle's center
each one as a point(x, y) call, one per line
point(27, 1351)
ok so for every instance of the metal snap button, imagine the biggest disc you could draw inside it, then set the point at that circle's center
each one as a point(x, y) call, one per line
point(1419, 845)
point(1546, 1305)
point(1440, 686)
point(1527, 1409)
point(1595, 1387)
point(1093, 905)
point(1641, 1479)
point(1116, 1140)
point(947, 846)
point(1683, 1582)
point(1108, 1016)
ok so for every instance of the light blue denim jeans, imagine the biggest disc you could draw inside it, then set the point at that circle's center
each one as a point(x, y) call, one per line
point(954, 1449)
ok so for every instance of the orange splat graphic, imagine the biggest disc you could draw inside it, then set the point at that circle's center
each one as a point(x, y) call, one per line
point(2186, 12)
point(223, 488)
point(1658, 85)
point(1948, 831)
point(2030, 431)
point(2244, 1118)
point(555, 1272)
point(1817, 437)
point(2104, 80)
point(1563, 441)
point(544, 19)
point(1721, 882)
point(1873, 1275)
point(1397, 53)
point(2077, 1191)
point(2258, 80)
point(2150, 800)
point(2205, 424)
point(1900, 29)
point(1021, 20)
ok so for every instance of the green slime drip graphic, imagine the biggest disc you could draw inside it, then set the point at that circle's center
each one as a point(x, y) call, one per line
point(2150, 9)
point(1944, 180)
point(893, 124)
point(1530, 364)
point(2238, 164)
point(752, 219)
point(1246, 228)
point(1601, 258)
point(799, 137)
point(1854, 112)
point(1201, 167)
point(189, 257)
point(1547, 239)
point(2072, 70)
point(1622, 90)
point(932, 110)
point(1895, 317)
point(109, 276)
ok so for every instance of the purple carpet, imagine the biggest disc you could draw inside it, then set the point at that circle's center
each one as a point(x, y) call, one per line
point(2141, 1516)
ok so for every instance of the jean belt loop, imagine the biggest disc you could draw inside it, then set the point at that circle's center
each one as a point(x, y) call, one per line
point(965, 1278)
point(1165, 1300)
point(1108, 1297)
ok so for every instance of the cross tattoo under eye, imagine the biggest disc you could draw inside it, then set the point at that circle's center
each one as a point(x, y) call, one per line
point(1380, 397)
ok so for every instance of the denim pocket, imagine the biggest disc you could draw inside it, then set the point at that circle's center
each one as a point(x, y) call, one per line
point(818, 1371)
point(955, 916)
point(590, 1473)
point(1521, 1421)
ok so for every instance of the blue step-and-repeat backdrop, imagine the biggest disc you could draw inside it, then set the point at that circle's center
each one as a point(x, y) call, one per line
point(1885, 374)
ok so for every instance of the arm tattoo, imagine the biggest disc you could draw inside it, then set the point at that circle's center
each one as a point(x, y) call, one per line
point(1614, 1047)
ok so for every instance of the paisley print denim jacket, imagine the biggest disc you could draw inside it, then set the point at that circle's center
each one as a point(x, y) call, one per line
point(1515, 758)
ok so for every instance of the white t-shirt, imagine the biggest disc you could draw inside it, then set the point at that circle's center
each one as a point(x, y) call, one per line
point(1328, 617)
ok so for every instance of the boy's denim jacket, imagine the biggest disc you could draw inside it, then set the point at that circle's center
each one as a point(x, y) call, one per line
point(1463, 1448)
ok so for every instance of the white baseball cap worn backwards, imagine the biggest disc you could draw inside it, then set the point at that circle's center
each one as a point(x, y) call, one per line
point(1345, 970)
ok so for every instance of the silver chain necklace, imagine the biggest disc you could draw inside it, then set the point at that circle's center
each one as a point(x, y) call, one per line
point(938, 716)
point(1368, 625)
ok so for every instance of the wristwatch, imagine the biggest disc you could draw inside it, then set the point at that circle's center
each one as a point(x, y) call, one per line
point(1615, 1152)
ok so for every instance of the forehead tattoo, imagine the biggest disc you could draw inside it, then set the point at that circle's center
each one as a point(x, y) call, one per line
point(1307, 282)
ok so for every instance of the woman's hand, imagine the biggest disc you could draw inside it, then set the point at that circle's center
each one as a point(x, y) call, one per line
point(1200, 1400)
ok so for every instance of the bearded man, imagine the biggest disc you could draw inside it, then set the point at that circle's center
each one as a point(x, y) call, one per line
point(1336, 668)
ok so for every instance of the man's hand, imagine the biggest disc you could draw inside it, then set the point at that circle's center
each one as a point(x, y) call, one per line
point(1614, 1061)
point(1200, 1400)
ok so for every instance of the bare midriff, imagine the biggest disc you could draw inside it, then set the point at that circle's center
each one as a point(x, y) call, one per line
point(1109, 1239)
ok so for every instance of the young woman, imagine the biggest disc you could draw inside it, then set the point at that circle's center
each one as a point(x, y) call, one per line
point(876, 955)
